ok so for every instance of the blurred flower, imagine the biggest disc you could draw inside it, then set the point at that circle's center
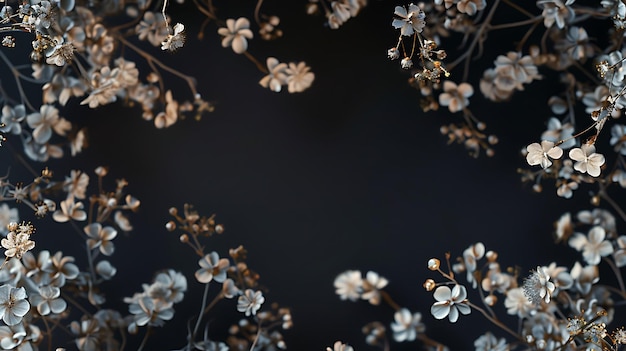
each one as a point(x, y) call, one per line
point(406, 326)
point(455, 97)
point(339, 346)
point(298, 77)
point(236, 34)
point(48, 300)
point(371, 287)
point(593, 245)
point(250, 302)
point(349, 285)
point(212, 268)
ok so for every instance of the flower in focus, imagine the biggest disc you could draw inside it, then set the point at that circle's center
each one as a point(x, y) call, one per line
point(13, 304)
point(594, 246)
point(538, 286)
point(587, 160)
point(16, 244)
point(409, 22)
point(349, 285)
point(175, 41)
point(455, 97)
point(406, 326)
point(236, 34)
point(250, 302)
point(540, 154)
point(450, 302)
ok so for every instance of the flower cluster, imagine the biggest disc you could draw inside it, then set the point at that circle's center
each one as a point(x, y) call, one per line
point(406, 326)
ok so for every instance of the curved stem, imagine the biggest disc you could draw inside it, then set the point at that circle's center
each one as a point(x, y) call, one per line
point(495, 321)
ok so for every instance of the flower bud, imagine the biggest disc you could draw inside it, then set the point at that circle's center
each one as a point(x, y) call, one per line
point(429, 285)
point(170, 226)
point(433, 264)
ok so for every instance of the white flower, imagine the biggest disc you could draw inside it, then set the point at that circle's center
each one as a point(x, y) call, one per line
point(618, 138)
point(557, 132)
point(13, 304)
point(371, 287)
point(48, 300)
point(541, 154)
point(148, 311)
point(393, 54)
point(406, 63)
point(587, 160)
point(175, 41)
point(12, 119)
point(70, 210)
point(236, 34)
point(488, 342)
point(409, 22)
point(517, 303)
point(250, 302)
point(339, 346)
point(538, 286)
point(45, 121)
point(406, 326)
point(349, 285)
point(212, 268)
point(450, 303)
point(7, 215)
point(276, 77)
point(455, 97)
point(593, 245)
point(99, 237)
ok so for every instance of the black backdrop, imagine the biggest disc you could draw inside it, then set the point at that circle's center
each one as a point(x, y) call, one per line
point(348, 175)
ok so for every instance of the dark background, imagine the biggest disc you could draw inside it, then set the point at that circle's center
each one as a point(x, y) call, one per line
point(350, 174)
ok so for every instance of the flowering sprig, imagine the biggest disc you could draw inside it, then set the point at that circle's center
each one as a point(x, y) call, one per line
point(237, 282)
point(407, 326)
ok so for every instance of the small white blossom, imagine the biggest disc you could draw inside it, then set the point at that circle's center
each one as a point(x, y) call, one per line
point(450, 302)
point(587, 160)
point(406, 326)
point(540, 154)
point(349, 285)
point(593, 245)
point(250, 302)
